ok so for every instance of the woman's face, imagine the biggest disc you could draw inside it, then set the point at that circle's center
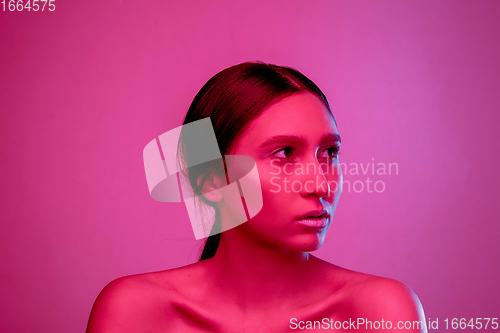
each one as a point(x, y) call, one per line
point(295, 144)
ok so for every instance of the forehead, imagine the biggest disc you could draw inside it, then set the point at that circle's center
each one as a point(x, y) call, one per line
point(304, 106)
point(302, 114)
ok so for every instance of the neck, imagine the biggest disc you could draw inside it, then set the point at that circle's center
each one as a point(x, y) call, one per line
point(254, 273)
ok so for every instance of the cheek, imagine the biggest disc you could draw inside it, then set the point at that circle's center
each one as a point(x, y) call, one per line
point(270, 179)
point(275, 204)
point(272, 197)
point(276, 193)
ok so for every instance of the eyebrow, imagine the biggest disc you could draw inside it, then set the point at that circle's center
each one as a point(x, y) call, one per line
point(298, 140)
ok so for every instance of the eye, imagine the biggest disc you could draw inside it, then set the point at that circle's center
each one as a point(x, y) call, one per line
point(287, 152)
point(330, 152)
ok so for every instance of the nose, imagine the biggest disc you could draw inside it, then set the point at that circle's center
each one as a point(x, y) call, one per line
point(315, 181)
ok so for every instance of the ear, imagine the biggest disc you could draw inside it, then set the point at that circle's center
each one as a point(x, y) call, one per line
point(211, 188)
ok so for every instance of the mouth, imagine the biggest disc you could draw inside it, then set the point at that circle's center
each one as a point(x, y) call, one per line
point(315, 219)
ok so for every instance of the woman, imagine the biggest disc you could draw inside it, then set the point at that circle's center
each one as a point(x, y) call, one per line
point(260, 276)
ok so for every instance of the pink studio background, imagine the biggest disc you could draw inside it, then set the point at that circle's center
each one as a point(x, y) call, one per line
point(84, 88)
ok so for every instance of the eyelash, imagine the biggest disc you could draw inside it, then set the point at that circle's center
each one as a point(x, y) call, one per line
point(336, 151)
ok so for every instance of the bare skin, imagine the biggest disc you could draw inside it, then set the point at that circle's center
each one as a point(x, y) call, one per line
point(262, 278)
point(184, 300)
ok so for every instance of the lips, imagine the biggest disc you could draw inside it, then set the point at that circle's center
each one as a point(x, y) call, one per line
point(314, 214)
point(315, 219)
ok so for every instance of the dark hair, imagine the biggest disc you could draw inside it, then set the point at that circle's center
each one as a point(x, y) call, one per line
point(232, 99)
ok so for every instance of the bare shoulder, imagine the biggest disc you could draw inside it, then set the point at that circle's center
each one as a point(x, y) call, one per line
point(125, 303)
point(366, 297)
point(135, 303)
point(375, 298)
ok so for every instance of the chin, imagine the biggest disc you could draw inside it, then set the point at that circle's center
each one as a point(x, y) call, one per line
point(308, 243)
